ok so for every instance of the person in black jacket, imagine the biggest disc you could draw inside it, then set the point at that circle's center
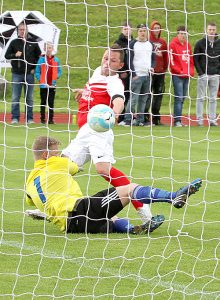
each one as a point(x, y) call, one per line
point(123, 41)
point(207, 64)
point(23, 53)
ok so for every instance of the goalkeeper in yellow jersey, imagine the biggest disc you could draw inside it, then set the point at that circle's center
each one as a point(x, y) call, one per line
point(51, 188)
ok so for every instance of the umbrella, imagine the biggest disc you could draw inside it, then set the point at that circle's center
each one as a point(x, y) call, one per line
point(39, 27)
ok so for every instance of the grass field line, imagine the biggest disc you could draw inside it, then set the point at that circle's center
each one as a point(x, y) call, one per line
point(154, 282)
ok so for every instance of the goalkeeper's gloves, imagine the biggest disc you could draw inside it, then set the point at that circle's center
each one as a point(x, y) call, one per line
point(35, 214)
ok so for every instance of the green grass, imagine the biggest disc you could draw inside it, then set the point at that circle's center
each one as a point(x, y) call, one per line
point(37, 261)
point(40, 262)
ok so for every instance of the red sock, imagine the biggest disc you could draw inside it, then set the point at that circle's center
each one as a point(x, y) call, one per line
point(117, 178)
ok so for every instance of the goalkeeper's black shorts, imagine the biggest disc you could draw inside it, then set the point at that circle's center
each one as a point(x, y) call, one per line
point(93, 214)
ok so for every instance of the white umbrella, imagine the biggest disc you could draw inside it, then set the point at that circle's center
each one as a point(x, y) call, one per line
point(39, 27)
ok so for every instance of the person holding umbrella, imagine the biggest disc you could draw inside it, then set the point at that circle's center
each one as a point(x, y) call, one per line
point(24, 53)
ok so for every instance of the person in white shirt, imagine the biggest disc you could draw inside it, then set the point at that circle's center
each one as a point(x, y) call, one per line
point(141, 64)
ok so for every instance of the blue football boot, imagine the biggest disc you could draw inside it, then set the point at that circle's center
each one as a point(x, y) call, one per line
point(183, 193)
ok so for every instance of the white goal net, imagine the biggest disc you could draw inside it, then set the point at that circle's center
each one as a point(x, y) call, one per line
point(180, 259)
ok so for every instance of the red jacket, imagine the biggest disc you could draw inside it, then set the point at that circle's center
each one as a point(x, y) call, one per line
point(159, 45)
point(181, 58)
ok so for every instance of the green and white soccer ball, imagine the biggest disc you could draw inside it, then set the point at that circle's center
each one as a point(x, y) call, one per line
point(101, 118)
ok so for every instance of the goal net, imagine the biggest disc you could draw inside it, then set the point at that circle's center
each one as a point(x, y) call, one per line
point(179, 260)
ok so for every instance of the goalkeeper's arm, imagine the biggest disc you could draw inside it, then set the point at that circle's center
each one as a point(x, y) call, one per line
point(35, 214)
point(29, 200)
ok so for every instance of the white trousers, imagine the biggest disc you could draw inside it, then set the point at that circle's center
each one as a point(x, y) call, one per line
point(207, 89)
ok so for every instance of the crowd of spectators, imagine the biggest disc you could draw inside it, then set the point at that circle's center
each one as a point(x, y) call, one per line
point(147, 59)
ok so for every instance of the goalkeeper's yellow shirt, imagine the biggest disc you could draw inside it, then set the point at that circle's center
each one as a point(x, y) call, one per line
point(51, 188)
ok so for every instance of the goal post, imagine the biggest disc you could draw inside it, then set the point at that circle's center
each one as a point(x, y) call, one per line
point(179, 260)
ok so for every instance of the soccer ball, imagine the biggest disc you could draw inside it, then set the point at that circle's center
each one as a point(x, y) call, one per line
point(101, 118)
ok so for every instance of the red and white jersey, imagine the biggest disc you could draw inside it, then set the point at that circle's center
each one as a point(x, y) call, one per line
point(98, 90)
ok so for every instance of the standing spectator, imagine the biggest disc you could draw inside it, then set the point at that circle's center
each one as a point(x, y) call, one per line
point(181, 67)
point(23, 53)
point(158, 77)
point(47, 71)
point(141, 63)
point(123, 41)
point(104, 87)
point(207, 63)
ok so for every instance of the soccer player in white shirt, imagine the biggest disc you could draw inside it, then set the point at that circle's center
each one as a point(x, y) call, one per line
point(104, 87)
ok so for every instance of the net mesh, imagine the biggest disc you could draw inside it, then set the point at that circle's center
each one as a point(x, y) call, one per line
point(180, 260)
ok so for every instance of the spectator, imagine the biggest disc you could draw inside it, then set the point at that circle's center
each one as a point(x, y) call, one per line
point(47, 71)
point(104, 87)
point(23, 53)
point(207, 63)
point(158, 77)
point(123, 41)
point(181, 68)
point(141, 63)
point(64, 205)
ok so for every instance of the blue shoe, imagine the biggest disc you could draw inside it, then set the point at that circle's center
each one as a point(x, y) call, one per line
point(150, 226)
point(155, 222)
point(183, 193)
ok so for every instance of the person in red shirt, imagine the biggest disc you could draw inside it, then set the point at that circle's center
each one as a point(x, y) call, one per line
point(181, 67)
point(47, 71)
point(160, 68)
point(104, 87)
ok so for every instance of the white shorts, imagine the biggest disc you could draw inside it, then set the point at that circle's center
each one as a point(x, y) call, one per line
point(89, 144)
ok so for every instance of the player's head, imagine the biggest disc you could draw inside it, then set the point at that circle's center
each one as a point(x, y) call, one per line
point(48, 48)
point(112, 60)
point(44, 147)
point(22, 30)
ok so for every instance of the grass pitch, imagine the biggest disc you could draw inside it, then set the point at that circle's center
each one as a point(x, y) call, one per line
point(39, 262)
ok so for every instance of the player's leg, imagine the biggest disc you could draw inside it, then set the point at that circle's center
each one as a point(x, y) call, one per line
point(147, 194)
point(77, 150)
point(101, 150)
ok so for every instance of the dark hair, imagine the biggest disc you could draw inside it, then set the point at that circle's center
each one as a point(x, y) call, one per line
point(181, 28)
point(117, 48)
point(142, 26)
point(212, 24)
point(126, 24)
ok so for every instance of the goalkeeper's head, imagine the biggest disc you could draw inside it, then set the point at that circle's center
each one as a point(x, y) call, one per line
point(44, 147)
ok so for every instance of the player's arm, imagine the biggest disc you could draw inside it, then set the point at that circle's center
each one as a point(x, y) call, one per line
point(29, 200)
point(118, 105)
point(78, 94)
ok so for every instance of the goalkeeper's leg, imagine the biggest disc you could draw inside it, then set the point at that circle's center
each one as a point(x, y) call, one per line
point(122, 225)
